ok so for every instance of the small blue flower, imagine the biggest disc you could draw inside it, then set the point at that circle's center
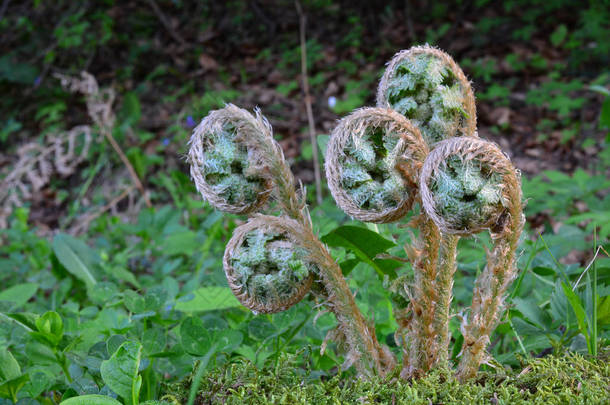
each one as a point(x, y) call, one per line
point(190, 122)
point(165, 142)
point(37, 81)
point(332, 101)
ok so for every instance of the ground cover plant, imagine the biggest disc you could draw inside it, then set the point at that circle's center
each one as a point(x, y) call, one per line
point(110, 263)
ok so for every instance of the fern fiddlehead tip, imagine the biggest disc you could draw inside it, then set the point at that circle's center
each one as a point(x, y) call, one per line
point(226, 170)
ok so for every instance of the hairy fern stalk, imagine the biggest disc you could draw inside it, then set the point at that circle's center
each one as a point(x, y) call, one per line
point(418, 146)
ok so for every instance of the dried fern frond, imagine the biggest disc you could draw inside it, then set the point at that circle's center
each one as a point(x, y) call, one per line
point(372, 161)
point(36, 164)
point(427, 86)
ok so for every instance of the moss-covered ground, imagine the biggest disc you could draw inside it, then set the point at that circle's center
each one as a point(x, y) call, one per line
point(567, 379)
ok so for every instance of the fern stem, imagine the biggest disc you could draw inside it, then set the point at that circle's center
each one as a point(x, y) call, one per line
point(423, 335)
point(447, 267)
point(490, 286)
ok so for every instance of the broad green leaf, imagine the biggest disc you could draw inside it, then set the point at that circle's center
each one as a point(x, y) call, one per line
point(19, 294)
point(153, 341)
point(228, 340)
point(603, 311)
point(348, 265)
point(559, 35)
point(9, 368)
point(114, 342)
point(526, 329)
point(209, 299)
point(76, 257)
point(120, 372)
point(39, 383)
point(366, 245)
point(134, 302)
point(40, 353)
point(50, 327)
point(90, 400)
point(181, 243)
point(532, 312)
point(196, 340)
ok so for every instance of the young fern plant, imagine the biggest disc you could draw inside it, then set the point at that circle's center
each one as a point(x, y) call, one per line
point(427, 86)
point(418, 146)
point(272, 262)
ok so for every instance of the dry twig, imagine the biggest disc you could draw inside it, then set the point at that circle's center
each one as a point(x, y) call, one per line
point(305, 82)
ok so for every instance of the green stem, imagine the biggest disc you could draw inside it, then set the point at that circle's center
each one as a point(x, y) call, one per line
point(61, 359)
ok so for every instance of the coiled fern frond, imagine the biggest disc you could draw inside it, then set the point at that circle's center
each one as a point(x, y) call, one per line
point(427, 86)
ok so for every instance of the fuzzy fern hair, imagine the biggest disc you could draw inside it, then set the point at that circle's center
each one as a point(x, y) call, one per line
point(467, 194)
point(428, 87)
point(371, 164)
point(227, 172)
point(266, 269)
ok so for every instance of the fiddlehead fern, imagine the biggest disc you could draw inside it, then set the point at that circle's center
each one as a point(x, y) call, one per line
point(227, 172)
point(428, 87)
point(268, 274)
point(371, 164)
point(267, 269)
point(496, 200)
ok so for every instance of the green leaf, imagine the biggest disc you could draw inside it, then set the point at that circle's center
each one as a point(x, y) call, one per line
point(26, 320)
point(209, 299)
point(120, 372)
point(348, 265)
point(19, 294)
point(195, 338)
point(90, 400)
point(40, 353)
point(122, 274)
point(9, 368)
point(131, 110)
point(532, 312)
point(181, 243)
point(50, 327)
point(76, 257)
point(559, 35)
point(9, 389)
point(577, 307)
point(228, 340)
point(366, 245)
point(604, 116)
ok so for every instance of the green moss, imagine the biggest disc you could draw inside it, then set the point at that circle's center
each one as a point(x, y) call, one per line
point(427, 92)
point(228, 168)
point(269, 266)
point(569, 379)
point(369, 175)
point(466, 193)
